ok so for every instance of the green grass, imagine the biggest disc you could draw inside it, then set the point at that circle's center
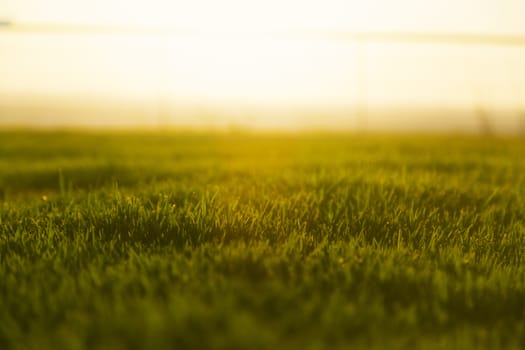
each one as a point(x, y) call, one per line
point(145, 240)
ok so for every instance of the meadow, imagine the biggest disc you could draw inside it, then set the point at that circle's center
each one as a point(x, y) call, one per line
point(217, 240)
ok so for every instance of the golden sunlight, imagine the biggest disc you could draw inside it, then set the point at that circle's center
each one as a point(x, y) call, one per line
point(237, 55)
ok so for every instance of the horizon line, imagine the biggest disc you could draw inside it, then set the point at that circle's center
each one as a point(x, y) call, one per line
point(462, 38)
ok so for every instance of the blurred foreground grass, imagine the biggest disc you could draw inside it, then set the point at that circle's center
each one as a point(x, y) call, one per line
point(159, 240)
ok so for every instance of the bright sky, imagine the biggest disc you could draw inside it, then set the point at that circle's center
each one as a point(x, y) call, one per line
point(416, 15)
point(228, 61)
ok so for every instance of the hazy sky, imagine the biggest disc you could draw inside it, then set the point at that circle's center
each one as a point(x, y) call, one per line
point(246, 68)
point(437, 15)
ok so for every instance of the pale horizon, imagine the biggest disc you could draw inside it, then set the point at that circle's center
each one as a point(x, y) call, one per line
point(227, 60)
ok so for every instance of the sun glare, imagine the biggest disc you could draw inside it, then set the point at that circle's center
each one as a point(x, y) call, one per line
point(221, 17)
point(264, 53)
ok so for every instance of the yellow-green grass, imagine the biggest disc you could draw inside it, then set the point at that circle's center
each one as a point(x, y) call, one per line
point(164, 240)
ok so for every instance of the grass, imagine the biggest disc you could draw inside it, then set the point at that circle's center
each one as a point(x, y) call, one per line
point(161, 240)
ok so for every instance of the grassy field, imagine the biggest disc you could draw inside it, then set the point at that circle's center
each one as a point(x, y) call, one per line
point(160, 240)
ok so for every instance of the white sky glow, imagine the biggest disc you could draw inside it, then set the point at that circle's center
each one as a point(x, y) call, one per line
point(213, 66)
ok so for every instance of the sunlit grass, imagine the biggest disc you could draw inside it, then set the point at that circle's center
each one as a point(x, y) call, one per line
point(195, 240)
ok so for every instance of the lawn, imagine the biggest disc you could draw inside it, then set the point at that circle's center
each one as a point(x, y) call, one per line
point(194, 240)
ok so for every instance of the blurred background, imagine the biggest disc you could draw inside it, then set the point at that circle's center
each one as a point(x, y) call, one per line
point(404, 65)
